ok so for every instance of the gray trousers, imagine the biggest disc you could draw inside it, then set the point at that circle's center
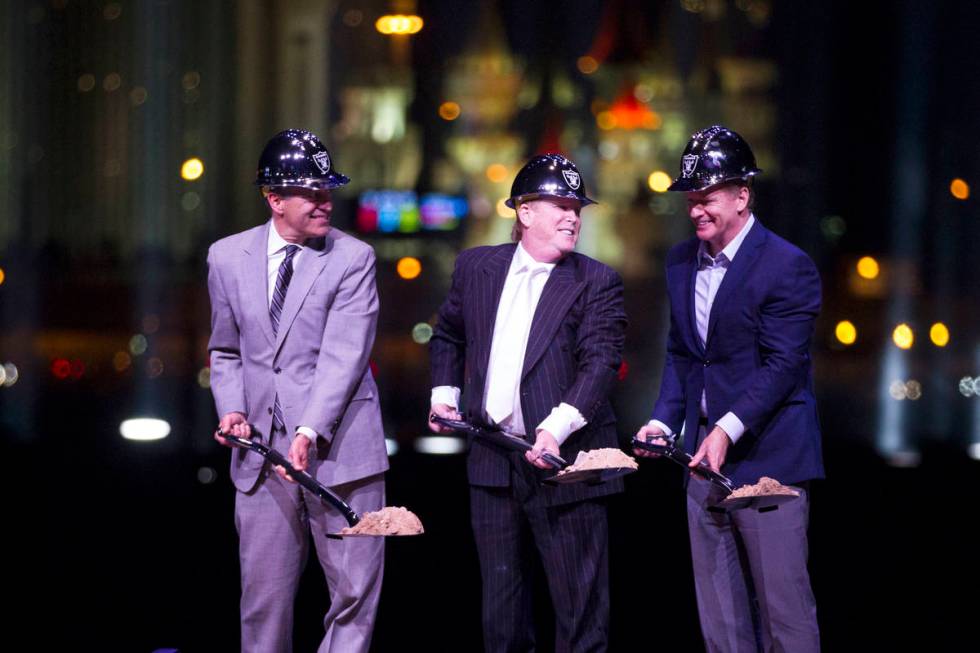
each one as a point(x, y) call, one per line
point(750, 574)
point(274, 522)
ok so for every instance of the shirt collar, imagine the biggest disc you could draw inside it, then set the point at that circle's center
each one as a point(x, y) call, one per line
point(276, 242)
point(523, 261)
point(727, 254)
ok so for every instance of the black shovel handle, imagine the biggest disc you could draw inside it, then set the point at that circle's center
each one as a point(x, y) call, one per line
point(303, 478)
point(684, 460)
point(498, 437)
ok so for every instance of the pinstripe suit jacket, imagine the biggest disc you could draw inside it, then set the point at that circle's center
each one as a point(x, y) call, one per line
point(573, 353)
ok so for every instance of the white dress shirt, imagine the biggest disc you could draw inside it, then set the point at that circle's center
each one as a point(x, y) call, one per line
point(711, 272)
point(275, 253)
point(508, 350)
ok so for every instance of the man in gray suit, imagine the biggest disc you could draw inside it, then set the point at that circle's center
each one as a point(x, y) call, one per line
point(293, 314)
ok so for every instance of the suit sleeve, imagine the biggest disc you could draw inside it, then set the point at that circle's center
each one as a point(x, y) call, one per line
point(348, 337)
point(224, 347)
point(785, 329)
point(447, 347)
point(599, 347)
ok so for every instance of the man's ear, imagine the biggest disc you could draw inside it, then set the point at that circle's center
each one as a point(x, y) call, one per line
point(525, 214)
point(275, 201)
point(742, 198)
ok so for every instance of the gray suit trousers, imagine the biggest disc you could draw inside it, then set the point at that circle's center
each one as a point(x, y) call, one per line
point(274, 522)
point(750, 573)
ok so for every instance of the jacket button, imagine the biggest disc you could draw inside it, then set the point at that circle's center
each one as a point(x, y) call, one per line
point(707, 363)
point(277, 370)
point(270, 411)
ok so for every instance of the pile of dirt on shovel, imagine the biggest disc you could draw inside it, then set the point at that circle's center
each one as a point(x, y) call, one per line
point(387, 521)
point(765, 487)
point(608, 458)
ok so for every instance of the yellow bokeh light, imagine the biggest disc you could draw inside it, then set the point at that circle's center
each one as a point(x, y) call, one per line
point(960, 189)
point(903, 336)
point(409, 267)
point(192, 169)
point(497, 172)
point(399, 24)
point(659, 181)
point(605, 120)
point(939, 334)
point(846, 332)
point(505, 211)
point(3, 275)
point(449, 111)
point(587, 65)
point(868, 267)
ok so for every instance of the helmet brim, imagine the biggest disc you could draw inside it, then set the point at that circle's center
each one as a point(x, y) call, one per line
point(693, 184)
point(512, 202)
point(329, 181)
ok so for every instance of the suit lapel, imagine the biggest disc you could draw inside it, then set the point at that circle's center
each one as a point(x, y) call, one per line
point(312, 264)
point(735, 275)
point(490, 285)
point(558, 295)
point(256, 276)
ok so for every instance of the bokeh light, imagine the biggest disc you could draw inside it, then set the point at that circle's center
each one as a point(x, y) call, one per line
point(399, 24)
point(3, 275)
point(587, 65)
point(144, 429)
point(409, 267)
point(868, 267)
point(659, 181)
point(939, 334)
point(121, 361)
point(449, 110)
point(960, 189)
point(497, 172)
point(137, 344)
point(422, 333)
point(192, 169)
point(204, 377)
point(903, 337)
point(60, 368)
point(845, 332)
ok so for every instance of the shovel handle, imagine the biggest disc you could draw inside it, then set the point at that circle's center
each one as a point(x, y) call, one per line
point(303, 478)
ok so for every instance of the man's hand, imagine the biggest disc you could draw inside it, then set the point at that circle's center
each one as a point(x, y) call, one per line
point(446, 412)
point(714, 448)
point(233, 424)
point(544, 442)
point(298, 456)
point(652, 434)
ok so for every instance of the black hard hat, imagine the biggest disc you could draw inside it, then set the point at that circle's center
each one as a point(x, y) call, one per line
point(548, 175)
point(296, 157)
point(713, 155)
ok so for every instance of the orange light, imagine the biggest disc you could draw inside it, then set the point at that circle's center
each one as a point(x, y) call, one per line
point(3, 275)
point(605, 120)
point(399, 24)
point(868, 267)
point(939, 334)
point(903, 336)
point(497, 172)
point(449, 111)
point(409, 267)
point(960, 189)
point(587, 65)
point(846, 332)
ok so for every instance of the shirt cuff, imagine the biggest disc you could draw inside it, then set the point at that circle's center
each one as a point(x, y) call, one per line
point(308, 432)
point(656, 423)
point(732, 426)
point(445, 394)
point(562, 422)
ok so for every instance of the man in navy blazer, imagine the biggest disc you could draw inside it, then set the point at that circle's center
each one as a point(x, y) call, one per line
point(737, 379)
point(532, 333)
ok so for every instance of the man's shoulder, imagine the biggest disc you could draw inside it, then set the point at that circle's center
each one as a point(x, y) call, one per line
point(341, 241)
point(683, 252)
point(483, 253)
point(778, 249)
point(591, 268)
point(235, 243)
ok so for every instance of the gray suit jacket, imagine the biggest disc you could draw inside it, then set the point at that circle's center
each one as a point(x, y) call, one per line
point(318, 361)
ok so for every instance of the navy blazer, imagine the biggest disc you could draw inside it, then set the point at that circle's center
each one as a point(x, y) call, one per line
point(756, 362)
point(574, 351)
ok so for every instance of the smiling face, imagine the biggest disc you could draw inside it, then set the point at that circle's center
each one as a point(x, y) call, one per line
point(300, 213)
point(718, 214)
point(550, 227)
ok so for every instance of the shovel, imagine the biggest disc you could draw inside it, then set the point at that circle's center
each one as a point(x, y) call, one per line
point(305, 479)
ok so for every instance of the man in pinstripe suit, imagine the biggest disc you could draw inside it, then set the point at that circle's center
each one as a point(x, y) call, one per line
point(532, 333)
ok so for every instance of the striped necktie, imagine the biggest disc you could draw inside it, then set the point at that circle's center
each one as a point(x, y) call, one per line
point(275, 312)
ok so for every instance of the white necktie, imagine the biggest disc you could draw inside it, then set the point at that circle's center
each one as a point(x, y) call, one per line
point(505, 375)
